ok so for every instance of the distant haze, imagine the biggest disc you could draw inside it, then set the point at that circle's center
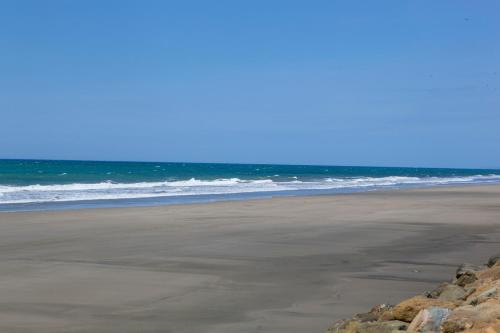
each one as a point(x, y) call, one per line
point(392, 83)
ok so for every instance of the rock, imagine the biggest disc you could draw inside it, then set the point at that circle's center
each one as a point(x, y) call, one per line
point(471, 304)
point(469, 291)
point(408, 309)
point(453, 326)
point(382, 327)
point(374, 314)
point(354, 326)
point(466, 269)
point(493, 260)
point(491, 274)
point(493, 328)
point(466, 274)
point(484, 296)
point(341, 326)
point(466, 279)
point(484, 289)
point(437, 291)
point(429, 320)
point(472, 317)
point(452, 293)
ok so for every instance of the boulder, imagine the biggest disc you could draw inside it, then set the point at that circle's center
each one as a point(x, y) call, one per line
point(466, 269)
point(466, 274)
point(437, 291)
point(484, 296)
point(452, 293)
point(466, 279)
point(484, 289)
point(491, 274)
point(429, 320)
point(491, 328)
point(472, 317)
point(493, 260)
point(374, 314)
point(343, 326)
point(408, 309)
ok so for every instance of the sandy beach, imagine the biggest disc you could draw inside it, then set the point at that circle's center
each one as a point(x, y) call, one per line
point(291, 264)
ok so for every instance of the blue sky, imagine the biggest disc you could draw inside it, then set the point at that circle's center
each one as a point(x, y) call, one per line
point(403, 83)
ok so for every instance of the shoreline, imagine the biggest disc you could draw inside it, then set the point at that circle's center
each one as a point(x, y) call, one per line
point(285, 264)
point(108, 203)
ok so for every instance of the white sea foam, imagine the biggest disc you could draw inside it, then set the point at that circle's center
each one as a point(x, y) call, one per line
point(109, 190)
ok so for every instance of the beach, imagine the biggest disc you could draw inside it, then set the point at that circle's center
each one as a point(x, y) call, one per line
point(286, 264)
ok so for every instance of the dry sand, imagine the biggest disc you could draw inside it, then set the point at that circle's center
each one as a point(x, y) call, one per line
point(275, 265)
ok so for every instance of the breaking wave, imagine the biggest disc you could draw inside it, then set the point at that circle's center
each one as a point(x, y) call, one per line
point(110, 190)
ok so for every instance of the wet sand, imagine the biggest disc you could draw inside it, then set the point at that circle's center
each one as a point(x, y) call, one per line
point(275, 265)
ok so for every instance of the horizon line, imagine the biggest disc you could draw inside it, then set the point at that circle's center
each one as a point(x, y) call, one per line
point(240, 163)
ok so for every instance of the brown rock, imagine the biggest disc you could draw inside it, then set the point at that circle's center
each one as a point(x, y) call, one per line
point(490, 274)
point(342, 326)
point(453, 326)
point(408, 309)
point(472, 317)
point(452, 293)
point(437, 291)
point(484, 296)
point(471, 304)
point(484, 290)
point(466, 274)
point(374, 314)
point(493, 328)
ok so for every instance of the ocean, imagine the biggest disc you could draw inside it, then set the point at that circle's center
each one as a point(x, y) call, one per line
point(51, 184)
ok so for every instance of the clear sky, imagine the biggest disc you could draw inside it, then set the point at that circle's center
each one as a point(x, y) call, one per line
point(404, 83)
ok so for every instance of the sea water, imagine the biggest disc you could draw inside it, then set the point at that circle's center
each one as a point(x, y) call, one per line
point(52, 184)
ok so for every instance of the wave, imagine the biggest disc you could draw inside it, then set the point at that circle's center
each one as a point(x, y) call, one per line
point(109, 190)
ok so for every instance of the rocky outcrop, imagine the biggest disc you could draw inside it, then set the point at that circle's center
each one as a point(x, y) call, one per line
point(470, 317)
point(429, 320)
point(470, 303)
point(409, 309)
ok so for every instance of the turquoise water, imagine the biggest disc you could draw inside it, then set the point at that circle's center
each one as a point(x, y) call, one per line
point(46, 184)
